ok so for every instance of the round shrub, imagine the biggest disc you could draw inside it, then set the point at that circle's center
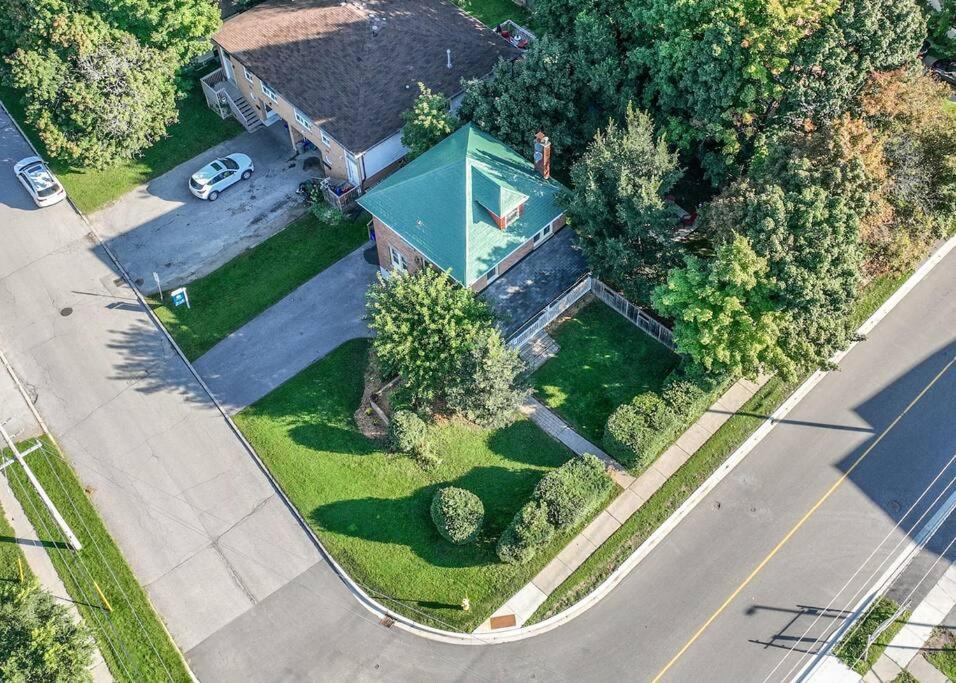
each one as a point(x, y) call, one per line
point(528, 532)
point(573, 490)
point(633, 431)
point(408, 433)
point(457, 514)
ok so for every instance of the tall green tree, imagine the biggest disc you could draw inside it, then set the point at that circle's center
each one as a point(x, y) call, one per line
point(182, 27)
point(39, 640)
point(725, 319)
point(617, 206)
point(424, 326)
point(93, 93)
point(428, 122)
point(487, 388)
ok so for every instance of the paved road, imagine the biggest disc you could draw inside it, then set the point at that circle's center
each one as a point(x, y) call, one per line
point(276, 345)
point(161, 228)
point(247, 598)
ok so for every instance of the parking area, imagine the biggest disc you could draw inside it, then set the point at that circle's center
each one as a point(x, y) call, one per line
point(535, 281)
point(161, 228)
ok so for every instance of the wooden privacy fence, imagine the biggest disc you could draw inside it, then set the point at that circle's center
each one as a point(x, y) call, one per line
point(572, 295)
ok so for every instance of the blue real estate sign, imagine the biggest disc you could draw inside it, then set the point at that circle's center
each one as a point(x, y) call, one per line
point(179, 297)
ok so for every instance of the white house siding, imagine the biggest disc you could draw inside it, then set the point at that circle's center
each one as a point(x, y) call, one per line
point(384, 154)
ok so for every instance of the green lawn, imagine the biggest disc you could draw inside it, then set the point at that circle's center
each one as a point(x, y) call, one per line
point(493, 12)
point(371, 508)
point(198, 129)
point(851, 650)
point(9, 553)
point(132, 638)
point(604, 361)
point(944, 657)
point(237, 292)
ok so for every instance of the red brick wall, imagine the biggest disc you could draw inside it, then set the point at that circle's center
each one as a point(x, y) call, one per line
point(386, 237)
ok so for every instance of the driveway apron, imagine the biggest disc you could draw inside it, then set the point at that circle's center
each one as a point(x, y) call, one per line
point(325, 312)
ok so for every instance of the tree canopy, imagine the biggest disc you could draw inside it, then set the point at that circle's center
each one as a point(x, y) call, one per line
point(427, 122)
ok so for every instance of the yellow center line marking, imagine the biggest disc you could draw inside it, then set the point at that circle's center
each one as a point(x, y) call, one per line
point(796, 527)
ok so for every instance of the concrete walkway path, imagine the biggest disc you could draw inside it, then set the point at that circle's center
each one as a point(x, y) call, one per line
point(325, 312)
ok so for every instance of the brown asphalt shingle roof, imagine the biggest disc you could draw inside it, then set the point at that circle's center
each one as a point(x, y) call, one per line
point(354, 66)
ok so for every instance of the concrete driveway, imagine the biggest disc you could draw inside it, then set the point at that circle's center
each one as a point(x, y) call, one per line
point(160, 227)
point(320, 315)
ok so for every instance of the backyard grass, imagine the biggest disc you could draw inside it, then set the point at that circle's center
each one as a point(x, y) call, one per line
point(852, 651)
point(224, 300)
point(371, 508)
point(604, 361)
point(198, 129)
point(493, 12)
point(132, 638)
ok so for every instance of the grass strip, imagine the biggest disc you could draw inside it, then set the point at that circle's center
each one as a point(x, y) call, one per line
point(852, 649)
point(197, 129)
point(10, 553)
point(943, 655)
point(493, 12)
point(133, 640)
point(370, 507)
point(234, 294)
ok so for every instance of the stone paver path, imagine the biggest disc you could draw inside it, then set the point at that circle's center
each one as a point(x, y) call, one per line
point(637, 490)
point(312, 321)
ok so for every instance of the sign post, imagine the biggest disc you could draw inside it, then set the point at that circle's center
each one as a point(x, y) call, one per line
point(158, 285)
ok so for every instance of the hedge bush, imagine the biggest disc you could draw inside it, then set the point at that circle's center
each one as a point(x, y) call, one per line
point(408, 433)
point(458, 514)
point(572, 491)
point(636, 433)
point(561, 499)
point(528, 532)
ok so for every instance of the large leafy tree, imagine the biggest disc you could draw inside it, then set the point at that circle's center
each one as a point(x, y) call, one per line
point(424, 325)
point(725, 319)
point(427, 122)
point(39, 639)
point(94, 93)
point(617, 206)
point(487, 389)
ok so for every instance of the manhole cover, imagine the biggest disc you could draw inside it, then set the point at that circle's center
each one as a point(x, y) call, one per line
point(66, 311)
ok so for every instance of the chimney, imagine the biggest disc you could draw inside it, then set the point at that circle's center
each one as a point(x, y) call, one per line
point(448, 53)
point(542, 155)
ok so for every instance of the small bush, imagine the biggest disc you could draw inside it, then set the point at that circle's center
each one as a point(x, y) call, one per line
point(458, 514)
point(572, 491)
point(633, 432)
point(408, 433)
point(528, 532)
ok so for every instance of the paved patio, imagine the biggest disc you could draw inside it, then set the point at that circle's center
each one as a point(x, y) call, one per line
point(535, 281)
point(160, 227)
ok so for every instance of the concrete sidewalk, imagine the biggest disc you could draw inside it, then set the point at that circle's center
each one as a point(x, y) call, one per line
point(286, 338)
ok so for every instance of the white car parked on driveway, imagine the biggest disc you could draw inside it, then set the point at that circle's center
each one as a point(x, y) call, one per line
point(213, 178)
point(42, 185)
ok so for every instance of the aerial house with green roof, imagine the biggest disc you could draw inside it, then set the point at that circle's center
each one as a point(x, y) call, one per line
point(470, 205)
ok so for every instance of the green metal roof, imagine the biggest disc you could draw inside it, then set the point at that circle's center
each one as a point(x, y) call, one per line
point(439, 202)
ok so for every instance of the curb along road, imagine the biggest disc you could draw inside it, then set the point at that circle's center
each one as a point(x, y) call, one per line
point(380, 611)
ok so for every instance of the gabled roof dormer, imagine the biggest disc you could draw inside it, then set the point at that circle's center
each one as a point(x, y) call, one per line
point(503, 203)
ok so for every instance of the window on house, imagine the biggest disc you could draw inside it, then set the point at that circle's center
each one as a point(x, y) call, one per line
point(269, 92)
point(247, 73)
point(325, 138)
point(398, 261)
point(512, 216)
point(303, 120)
point(542, 234)
point(492, 274)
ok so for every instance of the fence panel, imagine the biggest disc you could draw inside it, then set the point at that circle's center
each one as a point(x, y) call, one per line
point(549, 314)
point(635, 314)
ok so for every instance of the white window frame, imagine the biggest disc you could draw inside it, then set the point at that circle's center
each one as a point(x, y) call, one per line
point(247, 74)
point(543, 234)
point(302, 120)
point(512, 216)
point(398, 259)
point(268, 92)
point(325, 138)
point(492, 274)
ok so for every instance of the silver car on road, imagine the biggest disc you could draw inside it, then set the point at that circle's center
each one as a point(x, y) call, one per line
point(39, 181)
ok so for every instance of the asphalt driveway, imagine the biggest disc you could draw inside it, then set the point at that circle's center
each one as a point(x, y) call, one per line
point(160, 227)
point(322, 314)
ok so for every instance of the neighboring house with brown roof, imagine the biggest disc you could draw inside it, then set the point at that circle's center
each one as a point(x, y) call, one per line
point(340, 74)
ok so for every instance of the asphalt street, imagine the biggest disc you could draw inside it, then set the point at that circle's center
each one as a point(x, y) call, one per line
point(248, 598)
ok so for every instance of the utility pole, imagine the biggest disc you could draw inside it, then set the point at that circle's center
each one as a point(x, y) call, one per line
point(18, 457)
